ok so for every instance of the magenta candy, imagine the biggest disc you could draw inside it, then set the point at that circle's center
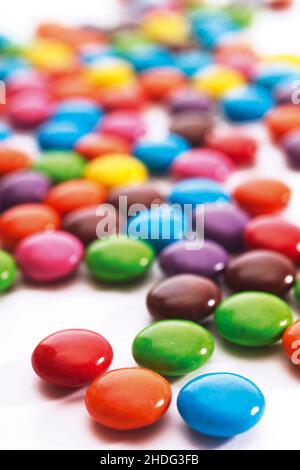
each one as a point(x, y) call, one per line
point(208, 260)
point(202, 163)
point(128, 125)
point(27, 110)
point(27, 81)
point(49, 256)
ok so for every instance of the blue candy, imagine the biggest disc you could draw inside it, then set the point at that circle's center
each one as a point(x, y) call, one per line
point(10, 65)
point(210, 26)
point(5, 131)
point(248, 103)
point(221, 404)
point(159, 155)
point(78, 111)
point(160, 226)
point(190, 62)
point(197, 191)
point(147, 56)
point(61, 135)
point(269, 77)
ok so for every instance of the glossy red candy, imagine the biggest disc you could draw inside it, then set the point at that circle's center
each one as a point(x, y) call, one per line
point(291, 342)
point(94, 145)
point(158, 82)
point(283, 119)
point(274, 234)
point(71, 358)
point(128, 97)
point(239, 147)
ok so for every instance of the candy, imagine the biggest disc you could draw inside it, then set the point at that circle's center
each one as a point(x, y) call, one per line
point(165, 26)
point(71, 358)
point(28, 110)
point(110, 72)
point(60, 135)
point(145, 194)
point(27, 81)
point(76, 194)
point(261, 270)
point(208, 260)
point(95, 145)
point(189, 100)
point(191, 61)
point(274, 234)
point(26, 219)
point(217, 80)
point(239, 147)
point(123, 97)
point(173, 347)
point(119, 259)
point(116, 169)
point(184, 296)
point(221, 404)
point(147, 56)
point(197, 191)
point(262, 196)
point(8, 271)
point(160, 226)
point(23, 187)
point(271, 75)
point(225, 225)
point(283, 119)
point(159, 155)
point(291, 342)
point(50, 55)
point(86, 223)
point(129, 398)
point(246, 104)
point(60, 166)
point(13, 160)
point(192, 126)
point(202, 163)
point(157, 83)
point(49, 256)
point(252, 319)
point(82, 111)
point(128, 125)
point(291, 146)
point(5, 131)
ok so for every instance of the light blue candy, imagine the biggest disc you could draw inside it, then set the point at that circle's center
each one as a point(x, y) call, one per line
point(94, 56)
point(159, 155)
point(197, 191)
point(249, 103)
point(5, 131)
point(271, 76)
point(147, 56)
point(210, 27)
point(221, 404)
point(10, 65)
point(159, 226)
point(60, 135)
point(79, 111)
point(190, 62)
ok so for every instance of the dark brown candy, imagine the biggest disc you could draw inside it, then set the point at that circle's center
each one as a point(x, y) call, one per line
point(261, 270)
point(144, 194)
point(193, 126)
point(185, 296)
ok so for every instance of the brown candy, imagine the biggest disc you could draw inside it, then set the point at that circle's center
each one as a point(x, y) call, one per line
point(261, 270)
point(185, 296)
point(136, 194)
point(193, 126)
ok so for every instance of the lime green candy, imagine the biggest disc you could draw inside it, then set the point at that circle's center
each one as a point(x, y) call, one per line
point(252, 318)
point(241, 15)
point(297, 291)
point(60, 166)
point(173, 347)
point(119, 259)
point(8, 271)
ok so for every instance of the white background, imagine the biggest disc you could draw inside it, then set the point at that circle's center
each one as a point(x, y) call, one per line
point(33, 416)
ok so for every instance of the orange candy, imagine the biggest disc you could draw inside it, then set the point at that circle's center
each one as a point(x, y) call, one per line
point(24, 220)
point(95, 145)
point(158, 82)
point(128, 398)
point(291, 342)
point(283, 119)
point(127, 97)
point(71, 195)
point(13, 160)
point(262, 196)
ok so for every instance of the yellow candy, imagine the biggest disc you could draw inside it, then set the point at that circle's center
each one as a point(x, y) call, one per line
point(50, 55)
point(217, 80)
point(166, 27)
point(289, 59)
point(110, 73)
point(116, 169)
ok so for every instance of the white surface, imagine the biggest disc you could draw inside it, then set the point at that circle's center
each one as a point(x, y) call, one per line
point(33, 416)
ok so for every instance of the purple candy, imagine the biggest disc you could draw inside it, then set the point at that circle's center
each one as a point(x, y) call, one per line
point(225, 224)
point(291, 146)
point(190, 100)
point(23, 187)
point(283, 93)
point(208, 261)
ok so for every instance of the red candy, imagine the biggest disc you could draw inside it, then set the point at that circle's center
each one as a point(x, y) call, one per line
point(13, 160)
point(158, 82)
point(283, 119)
point(262, 196)
point(240, 148)
point(71, 358)
point(129, 97)
point(274, 234)
point(94, 145)
point(291, 342)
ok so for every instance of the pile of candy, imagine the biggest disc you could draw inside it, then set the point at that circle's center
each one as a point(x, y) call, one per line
point(83, 92)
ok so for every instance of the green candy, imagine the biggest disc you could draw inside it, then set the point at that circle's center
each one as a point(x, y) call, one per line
point(252, 318)
point(173, 347)
point(119, 259)
point(297, 291)
point(8, 271)
point(242, 15)
point(60, 166)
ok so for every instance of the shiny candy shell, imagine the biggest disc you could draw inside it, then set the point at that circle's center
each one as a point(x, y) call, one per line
point(283, 119)
point(221, 404)
point(129, 398)
point(157, 83)
point(291, 343)
point(8, 271)
point(127, 125)
point(71, 358)
point(184, 296)
point(145, 194)
point(252, 319)
point(240, 148)
point(49, 256)
point(192, 126)
point(217, 80)
point(95, 145)
point(173, 347)
point(60, 135)
point(60, 166)
point(119, 259)
point(246, 104)
point(197, 191)
point(13, 160)
point(291, 146)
